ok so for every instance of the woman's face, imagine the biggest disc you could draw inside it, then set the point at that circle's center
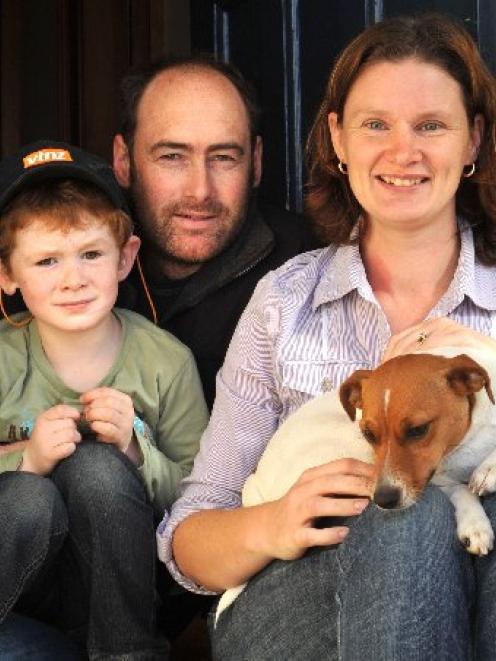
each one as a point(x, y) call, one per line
point(405, 138)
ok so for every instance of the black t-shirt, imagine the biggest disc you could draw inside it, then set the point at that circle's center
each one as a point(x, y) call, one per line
point(203, 310)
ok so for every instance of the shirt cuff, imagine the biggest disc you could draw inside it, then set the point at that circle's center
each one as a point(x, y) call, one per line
point(165, 532)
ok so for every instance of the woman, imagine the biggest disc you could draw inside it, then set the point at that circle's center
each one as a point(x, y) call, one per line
point(402, 163)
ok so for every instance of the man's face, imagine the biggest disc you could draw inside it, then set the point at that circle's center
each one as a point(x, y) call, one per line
point(192, 167)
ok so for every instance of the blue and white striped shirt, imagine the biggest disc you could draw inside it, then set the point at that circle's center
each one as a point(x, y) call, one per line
point(308, 326)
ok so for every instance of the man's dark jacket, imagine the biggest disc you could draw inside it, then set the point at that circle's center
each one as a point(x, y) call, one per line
point(205, 311)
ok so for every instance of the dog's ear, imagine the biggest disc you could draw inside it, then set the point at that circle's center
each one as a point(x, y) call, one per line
point(466, 377)
point(350, 392)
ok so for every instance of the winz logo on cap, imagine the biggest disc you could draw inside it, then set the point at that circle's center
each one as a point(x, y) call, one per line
point(43, 156)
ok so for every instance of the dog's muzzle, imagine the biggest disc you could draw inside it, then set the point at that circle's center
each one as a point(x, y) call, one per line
point(388, 497)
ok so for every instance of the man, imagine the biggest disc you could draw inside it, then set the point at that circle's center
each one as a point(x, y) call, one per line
point(190, 155)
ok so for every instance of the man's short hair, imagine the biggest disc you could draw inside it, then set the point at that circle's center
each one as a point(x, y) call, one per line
point(137, 80)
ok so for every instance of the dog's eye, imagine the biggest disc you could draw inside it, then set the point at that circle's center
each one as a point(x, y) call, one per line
point(414, 433)
point(369, 435)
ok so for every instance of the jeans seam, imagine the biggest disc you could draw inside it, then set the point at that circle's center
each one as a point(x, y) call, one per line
point(22, 581)
point(73, 540)
point(97, 652)
point(337, 596)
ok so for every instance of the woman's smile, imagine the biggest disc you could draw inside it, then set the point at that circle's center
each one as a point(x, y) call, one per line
point(405, 137)
point(401, 181)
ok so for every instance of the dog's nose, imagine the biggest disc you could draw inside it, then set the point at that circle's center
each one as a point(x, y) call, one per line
point(387, 497)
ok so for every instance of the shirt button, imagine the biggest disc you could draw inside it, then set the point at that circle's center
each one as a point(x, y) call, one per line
point(326, 384)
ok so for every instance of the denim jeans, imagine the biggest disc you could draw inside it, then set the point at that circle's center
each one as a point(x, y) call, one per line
point(399, 588)
point(78, 552)
point(25, 639)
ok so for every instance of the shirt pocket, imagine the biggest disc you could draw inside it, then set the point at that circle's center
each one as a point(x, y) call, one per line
point(303, 380)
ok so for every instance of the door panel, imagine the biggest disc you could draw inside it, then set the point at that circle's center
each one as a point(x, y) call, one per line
point(61, 60)
point(287, 47)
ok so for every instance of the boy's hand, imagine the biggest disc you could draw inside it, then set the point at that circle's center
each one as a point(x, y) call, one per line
point(54, 438)
point(110, 414)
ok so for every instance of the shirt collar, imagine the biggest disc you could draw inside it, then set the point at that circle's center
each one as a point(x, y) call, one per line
point(471, 279)
point(345, 272)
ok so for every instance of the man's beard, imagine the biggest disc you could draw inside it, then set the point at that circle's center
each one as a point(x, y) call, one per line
point(169, 243)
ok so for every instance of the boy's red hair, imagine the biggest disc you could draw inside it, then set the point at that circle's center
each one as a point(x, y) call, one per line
point(61, 205)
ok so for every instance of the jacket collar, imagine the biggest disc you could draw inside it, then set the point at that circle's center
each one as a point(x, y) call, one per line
point(253, 243)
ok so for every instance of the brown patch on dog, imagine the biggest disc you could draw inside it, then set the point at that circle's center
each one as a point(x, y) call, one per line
point(428, 412)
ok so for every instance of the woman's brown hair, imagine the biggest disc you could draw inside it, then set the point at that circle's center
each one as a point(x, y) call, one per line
point(434, 39)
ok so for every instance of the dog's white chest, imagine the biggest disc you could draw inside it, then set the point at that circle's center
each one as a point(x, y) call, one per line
point(459, 465)
point(319, 432)
point(480, 440)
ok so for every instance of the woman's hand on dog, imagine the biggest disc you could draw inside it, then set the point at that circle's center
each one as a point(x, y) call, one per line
point(244, 540)
point(440, 332)
point(340, 488)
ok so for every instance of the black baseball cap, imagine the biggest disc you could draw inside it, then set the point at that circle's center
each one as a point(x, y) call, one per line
point(49, 159)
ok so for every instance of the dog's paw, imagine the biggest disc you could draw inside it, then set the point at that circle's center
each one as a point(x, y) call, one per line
point(476, 535)
point(483, 479)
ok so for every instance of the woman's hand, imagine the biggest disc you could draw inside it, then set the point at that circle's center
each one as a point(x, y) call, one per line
point(337, 489)
point(439, 332)
point(238, 543)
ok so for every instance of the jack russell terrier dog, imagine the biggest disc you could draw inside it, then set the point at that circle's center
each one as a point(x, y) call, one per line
point(424, 417)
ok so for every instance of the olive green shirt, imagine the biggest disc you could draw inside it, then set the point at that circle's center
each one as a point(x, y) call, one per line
point(156, 370)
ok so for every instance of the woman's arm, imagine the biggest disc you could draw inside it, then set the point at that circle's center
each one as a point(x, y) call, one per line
point(210, 541)
point(219, 549)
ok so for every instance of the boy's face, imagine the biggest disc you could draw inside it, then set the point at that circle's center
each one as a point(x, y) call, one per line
point(69, 280)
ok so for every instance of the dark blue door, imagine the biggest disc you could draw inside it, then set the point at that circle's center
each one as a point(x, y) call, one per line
point(286, 47)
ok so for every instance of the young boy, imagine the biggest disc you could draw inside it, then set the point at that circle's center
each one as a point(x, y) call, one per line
point(100, 411)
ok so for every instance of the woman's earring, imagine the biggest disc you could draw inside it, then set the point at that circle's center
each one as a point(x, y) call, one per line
point(343, 168)
point(470, 171)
